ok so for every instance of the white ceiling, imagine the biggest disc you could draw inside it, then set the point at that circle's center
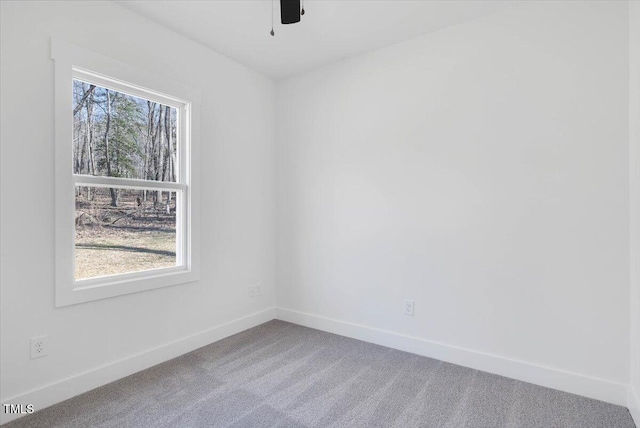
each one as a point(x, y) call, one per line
point(330, 30)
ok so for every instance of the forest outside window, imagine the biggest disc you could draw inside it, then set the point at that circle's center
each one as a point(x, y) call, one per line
point(124, 178)
point(120, 230)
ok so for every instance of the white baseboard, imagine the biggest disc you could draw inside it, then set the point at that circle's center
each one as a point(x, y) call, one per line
point(70, 387)
point(634, 405)
point(575, 383)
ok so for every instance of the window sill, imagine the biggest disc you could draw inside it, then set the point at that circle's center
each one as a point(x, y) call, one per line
point(117, 285)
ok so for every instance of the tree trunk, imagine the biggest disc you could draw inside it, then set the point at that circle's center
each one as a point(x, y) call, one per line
point(158, 154)
point(114, 192)
point(170, 153)
point(91, 160)
point(84, 98)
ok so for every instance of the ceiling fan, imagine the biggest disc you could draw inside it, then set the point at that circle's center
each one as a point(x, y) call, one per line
point(290, 12)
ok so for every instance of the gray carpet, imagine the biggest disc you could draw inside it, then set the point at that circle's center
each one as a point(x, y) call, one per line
point(282, 375)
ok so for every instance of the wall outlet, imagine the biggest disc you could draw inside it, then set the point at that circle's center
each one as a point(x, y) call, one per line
point(254, 290)
point(39, 347)
point(408, 307)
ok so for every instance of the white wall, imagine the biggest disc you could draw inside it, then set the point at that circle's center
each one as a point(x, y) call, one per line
point(238, 204)
point(481, 171)
point(634, 197)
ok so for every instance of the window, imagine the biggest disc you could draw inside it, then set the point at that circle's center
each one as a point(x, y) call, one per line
point(125, 177)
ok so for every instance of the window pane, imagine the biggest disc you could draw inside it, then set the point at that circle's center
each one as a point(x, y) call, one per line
point(119, 135)
point(122, 230)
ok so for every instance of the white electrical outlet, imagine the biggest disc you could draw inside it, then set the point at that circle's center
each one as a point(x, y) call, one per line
point(254, 290)
point(408, 307)
point(39, 347)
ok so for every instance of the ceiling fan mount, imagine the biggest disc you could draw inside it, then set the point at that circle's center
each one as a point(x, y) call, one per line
point(291, 12)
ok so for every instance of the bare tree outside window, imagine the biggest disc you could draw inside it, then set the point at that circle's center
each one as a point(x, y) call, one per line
point(122, 230)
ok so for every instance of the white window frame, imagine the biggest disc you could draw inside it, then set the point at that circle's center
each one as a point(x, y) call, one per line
point(73, 62)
